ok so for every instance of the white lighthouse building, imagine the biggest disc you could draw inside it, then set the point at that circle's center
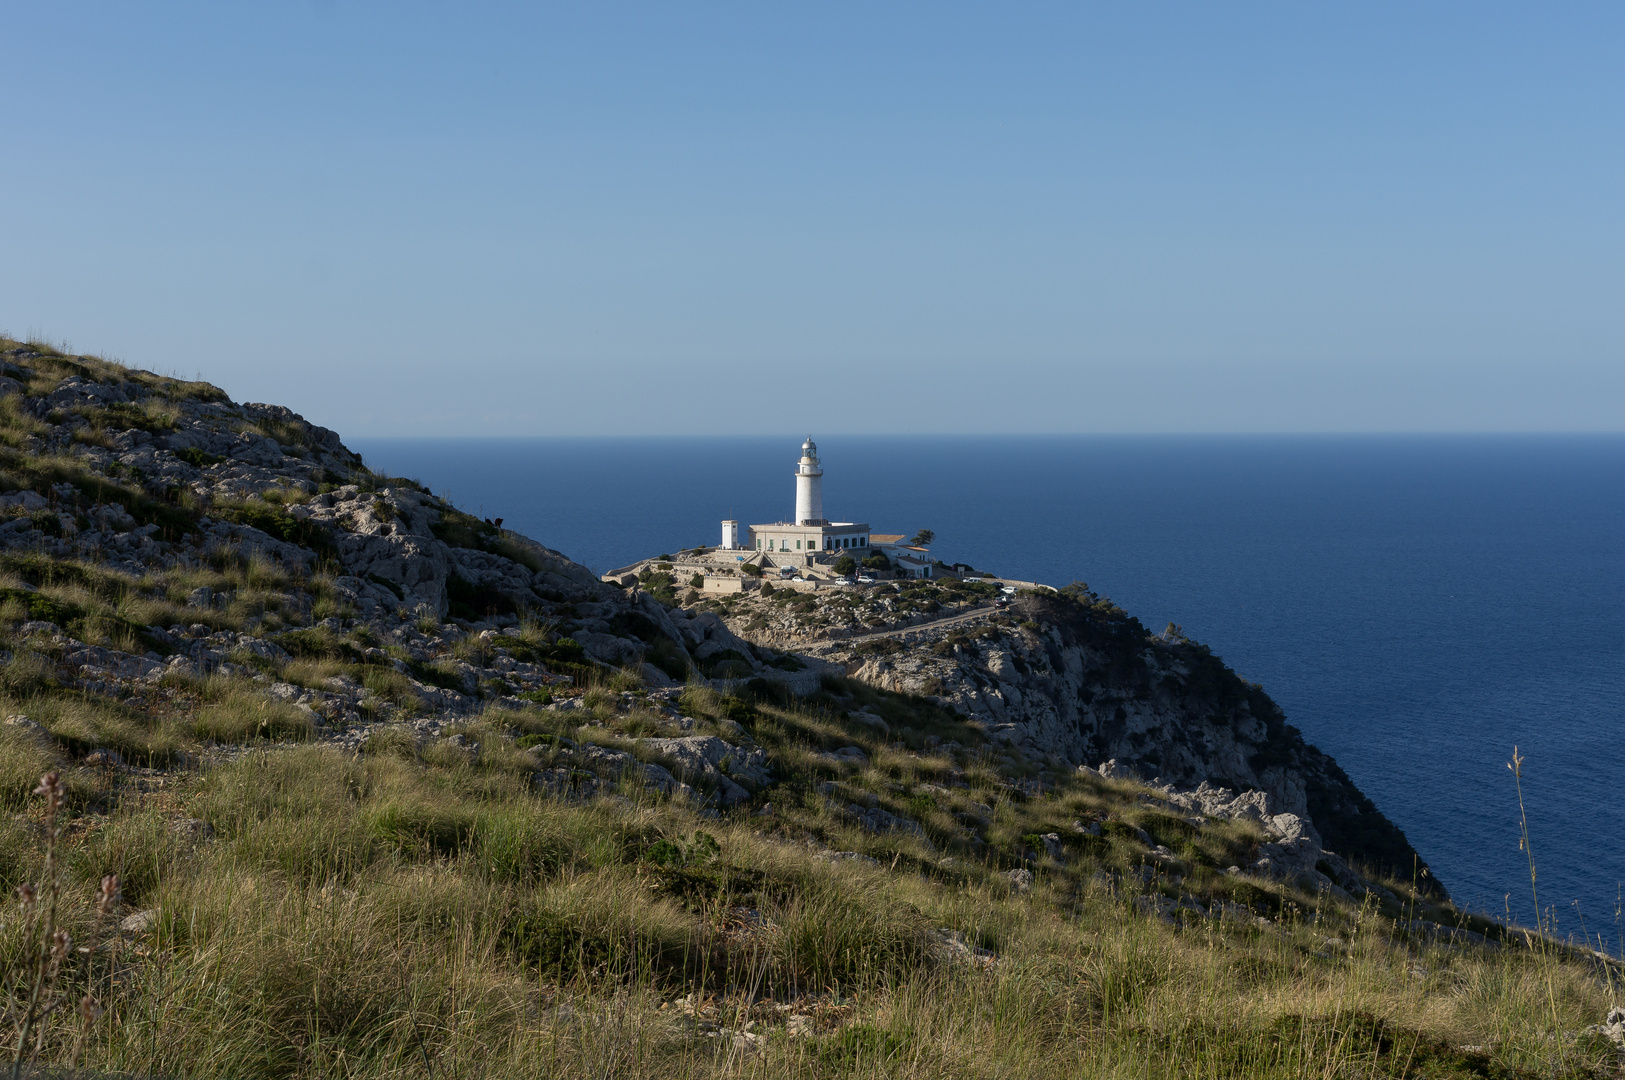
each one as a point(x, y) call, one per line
point(809, 486)
point(809, 534)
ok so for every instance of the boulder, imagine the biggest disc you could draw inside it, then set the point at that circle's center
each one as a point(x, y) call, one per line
point(655, 677)
point(665, 783)
point(847, 755)
point(1612, 1028)
point(712, 761)
point(874, 819)
point(195, 830)
point(31, 729)
point(25, 500)
point(608, 648)
point(139, 923)
point(870, 720)
point(1112, 770)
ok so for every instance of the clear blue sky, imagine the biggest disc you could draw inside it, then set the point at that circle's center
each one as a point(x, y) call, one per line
point(836, 217)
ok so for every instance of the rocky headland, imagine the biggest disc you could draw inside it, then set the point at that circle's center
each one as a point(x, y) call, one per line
point(266, 679)
point(145, 476)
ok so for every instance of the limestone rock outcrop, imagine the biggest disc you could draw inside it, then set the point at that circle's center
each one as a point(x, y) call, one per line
point(1071, 679)
point(174, 476)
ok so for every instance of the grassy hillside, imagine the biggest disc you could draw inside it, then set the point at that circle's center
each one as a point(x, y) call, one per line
point(344, 783)
point(426, 909)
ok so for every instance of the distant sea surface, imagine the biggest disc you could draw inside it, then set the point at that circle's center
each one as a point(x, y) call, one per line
point(1417, 605)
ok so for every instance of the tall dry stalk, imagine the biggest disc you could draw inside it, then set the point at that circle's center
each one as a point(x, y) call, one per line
point(1528, 848)
point(46, 947)
point(106, 904)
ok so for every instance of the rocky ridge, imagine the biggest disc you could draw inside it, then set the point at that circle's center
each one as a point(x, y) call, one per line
point(210, 540)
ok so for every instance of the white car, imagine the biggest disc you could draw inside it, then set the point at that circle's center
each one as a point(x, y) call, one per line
point(865, 579)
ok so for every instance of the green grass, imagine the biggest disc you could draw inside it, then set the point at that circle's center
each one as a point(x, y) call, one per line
point(104, 607)
point(421, 910)
point(236, 715)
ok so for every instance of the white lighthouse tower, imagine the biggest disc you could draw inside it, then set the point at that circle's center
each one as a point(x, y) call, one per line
point(809, 486)
point(811, 536)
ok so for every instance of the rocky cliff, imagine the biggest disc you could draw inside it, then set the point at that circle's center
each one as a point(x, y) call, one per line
point(152, 527)
point(1069, 679)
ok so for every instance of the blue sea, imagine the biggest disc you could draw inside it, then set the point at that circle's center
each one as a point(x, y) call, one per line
point(1418, 605)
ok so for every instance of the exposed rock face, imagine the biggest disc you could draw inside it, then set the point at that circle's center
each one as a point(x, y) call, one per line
point(1294, 852)
point(714, 767)
point(1612, 1028)
point(167, 475)
point(1072, 680)
point(708, 759)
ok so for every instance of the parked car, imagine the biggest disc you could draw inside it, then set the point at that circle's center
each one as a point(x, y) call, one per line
point(865, 579)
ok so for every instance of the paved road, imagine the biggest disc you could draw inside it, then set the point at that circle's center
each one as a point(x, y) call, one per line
point(935, 624)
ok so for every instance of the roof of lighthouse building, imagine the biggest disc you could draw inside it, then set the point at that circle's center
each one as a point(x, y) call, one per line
point(809, 448)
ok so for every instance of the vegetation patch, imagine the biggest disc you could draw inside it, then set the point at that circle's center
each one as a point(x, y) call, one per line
point(319, 643)
point(274, 521)
point(42, 607)
point(198, 457)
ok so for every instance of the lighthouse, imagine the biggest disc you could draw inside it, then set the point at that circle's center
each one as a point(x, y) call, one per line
point(809, 486)
point(810, 536)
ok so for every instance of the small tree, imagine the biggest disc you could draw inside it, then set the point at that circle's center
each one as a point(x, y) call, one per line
point(1079, 591)
point(750, 569)
point(877, 561)
point(845, 565)
point(923, 538)
point(697, 581)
